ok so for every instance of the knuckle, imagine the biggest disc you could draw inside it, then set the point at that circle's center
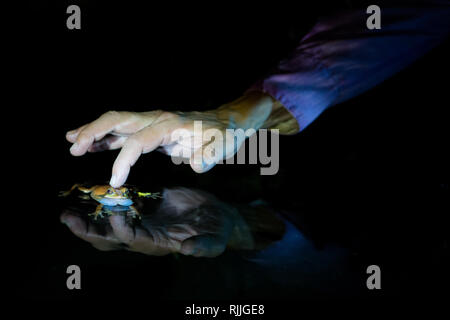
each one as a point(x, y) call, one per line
point(134, 141)
point(111, 114)
point(83, 136)
point(166, 115)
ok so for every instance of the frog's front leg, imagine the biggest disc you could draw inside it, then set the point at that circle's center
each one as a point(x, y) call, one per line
point(98, 212)
point(153, 195)
point(134, 212)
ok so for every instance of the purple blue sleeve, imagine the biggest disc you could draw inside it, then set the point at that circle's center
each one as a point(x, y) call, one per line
point(341, 58)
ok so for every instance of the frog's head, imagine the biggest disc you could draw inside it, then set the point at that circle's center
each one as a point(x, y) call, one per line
point(111, 193)
point(112, 196)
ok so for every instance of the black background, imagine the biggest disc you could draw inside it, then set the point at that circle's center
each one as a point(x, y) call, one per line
point(371, 173)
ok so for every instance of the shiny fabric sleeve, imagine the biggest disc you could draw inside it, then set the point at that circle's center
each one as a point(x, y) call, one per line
point(341, 58)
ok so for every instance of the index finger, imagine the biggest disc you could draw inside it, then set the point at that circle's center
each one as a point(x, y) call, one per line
point(144, 141)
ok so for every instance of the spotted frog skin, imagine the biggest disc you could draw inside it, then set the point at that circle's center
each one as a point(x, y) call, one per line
point(109, 197)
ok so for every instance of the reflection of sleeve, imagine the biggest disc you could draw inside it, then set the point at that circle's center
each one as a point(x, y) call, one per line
point(340, 58)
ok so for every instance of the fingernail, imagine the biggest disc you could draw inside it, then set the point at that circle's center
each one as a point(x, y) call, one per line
point(71, 132)
point(74, 147)
point(113, 180)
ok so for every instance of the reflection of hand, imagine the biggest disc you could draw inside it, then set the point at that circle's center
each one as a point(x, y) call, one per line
point(189, 222)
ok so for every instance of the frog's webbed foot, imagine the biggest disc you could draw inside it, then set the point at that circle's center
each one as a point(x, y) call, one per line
point(153, 195)
point(134, 212)
point(98, 212)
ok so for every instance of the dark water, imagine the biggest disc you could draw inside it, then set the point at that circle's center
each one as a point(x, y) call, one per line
point(292, 267)
point(300, 265)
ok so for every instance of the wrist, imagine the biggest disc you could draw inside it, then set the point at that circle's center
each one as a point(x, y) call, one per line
point(250, 111)
point(258, 110)
point(255, 228)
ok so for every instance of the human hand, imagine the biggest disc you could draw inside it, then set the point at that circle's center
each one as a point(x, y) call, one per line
point(188, 221)
point(137, 133)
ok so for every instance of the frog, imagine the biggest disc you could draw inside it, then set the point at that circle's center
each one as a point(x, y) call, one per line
point(111, 199)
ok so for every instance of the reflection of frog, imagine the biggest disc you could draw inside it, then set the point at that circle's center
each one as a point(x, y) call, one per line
point(111, 197)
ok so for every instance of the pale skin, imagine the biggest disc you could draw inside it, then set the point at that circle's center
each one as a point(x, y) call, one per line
point(137, 133)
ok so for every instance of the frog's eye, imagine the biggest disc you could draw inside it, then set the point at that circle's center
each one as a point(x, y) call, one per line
point(126, 193)
point(109, 191)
